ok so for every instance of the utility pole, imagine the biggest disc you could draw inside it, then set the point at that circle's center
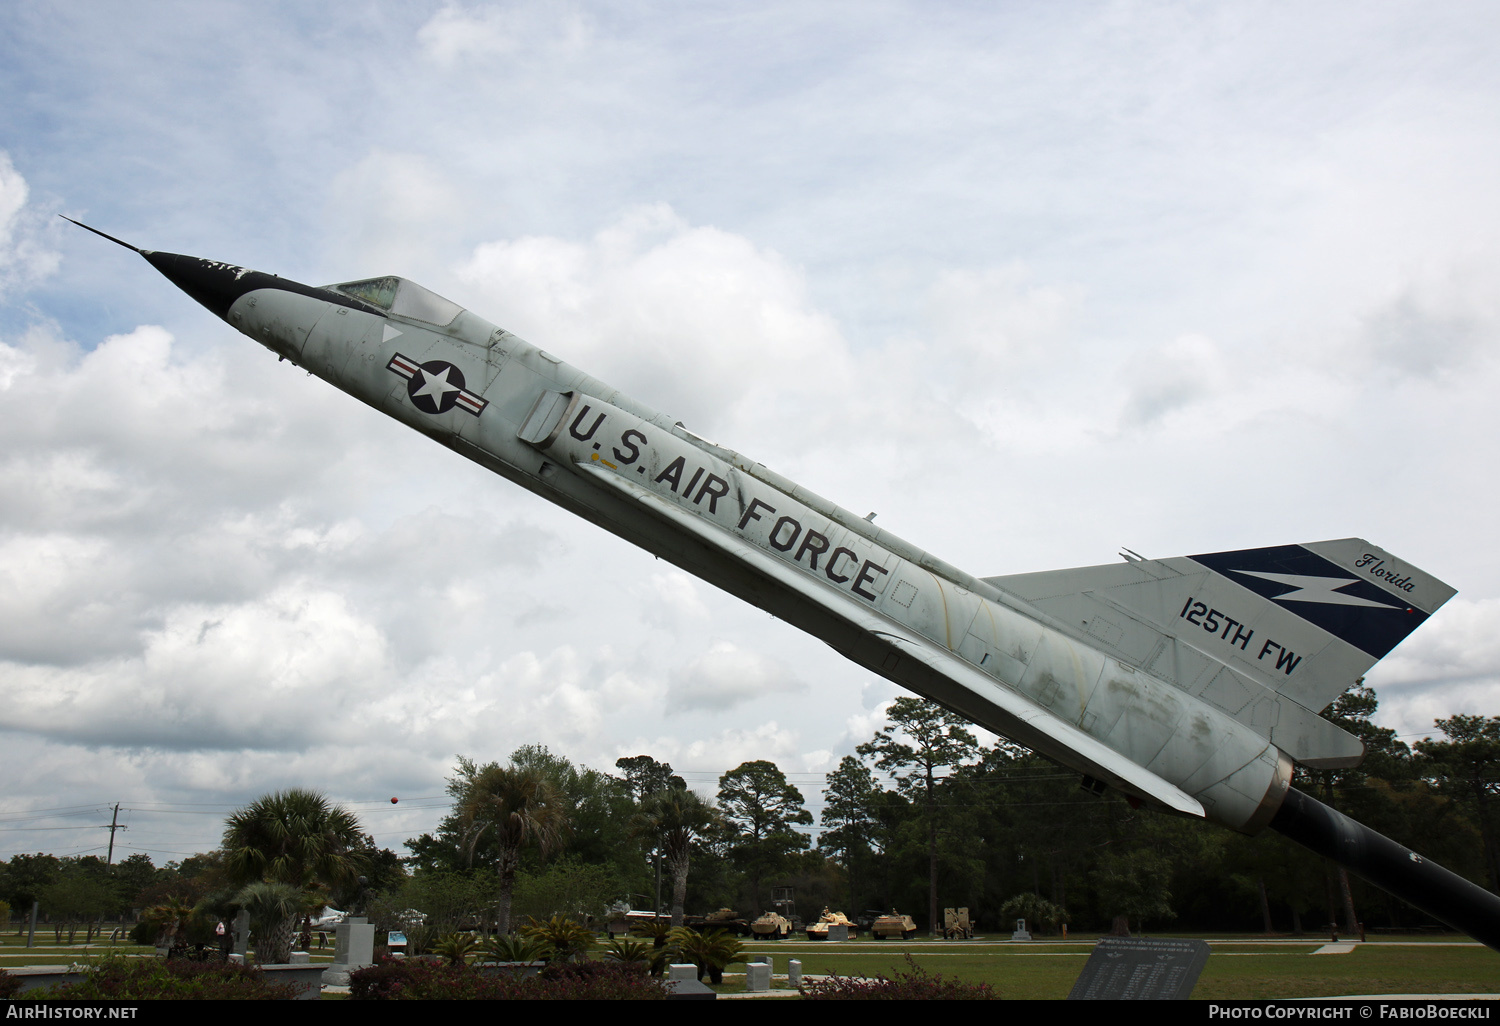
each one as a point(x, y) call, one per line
point(114, 824)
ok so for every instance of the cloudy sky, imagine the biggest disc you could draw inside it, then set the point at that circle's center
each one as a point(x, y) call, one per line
point(1032, 281)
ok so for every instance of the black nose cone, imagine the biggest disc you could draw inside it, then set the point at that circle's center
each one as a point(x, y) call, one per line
point(217, 285)
point(211, 282)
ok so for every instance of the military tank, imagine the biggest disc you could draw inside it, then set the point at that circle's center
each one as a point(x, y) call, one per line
point(726, 919)
point(819, 930)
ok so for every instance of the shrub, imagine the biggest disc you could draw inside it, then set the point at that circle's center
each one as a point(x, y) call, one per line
point(10, 985)
point(627, 951)
point(656, 959)
point(118, 978)
point(415, 981)
point(517, 949)
point(420, 938)
point(401, 979)
point(710, 951)
point(657, 929)
point(1041, 915)
point(594, 981)
point(917, 985)
point(568, 940)
point(456, 947)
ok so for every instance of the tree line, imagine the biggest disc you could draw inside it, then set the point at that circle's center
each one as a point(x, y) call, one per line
point(920, 818)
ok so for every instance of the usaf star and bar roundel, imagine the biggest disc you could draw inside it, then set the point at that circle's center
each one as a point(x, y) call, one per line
point(436, 386)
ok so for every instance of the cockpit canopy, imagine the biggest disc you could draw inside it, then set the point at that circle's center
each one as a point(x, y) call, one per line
point(403, 298)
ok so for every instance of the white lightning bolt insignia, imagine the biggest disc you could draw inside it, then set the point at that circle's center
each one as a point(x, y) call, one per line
point(1316, 589)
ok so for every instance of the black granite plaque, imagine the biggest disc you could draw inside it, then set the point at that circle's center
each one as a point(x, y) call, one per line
point(1140, 969)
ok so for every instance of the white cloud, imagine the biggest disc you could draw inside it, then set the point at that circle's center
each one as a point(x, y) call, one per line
point(727, 676)
point(862, 726)
point(267, 674)
point(397, 210)
point(1418, 340)
point(694, 320)
point(994, 322)
point(730, 747)
point(1189, 370)
point(463, 34)
point(1460, 643)
point(23, 258)
point(671, 601)
point(13, 362)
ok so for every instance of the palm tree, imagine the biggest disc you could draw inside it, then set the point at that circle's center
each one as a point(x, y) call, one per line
point(675, 816)
point(274, 910)
point(295, 837)
point(294, 840)
point(516, 805)
point(172, 917)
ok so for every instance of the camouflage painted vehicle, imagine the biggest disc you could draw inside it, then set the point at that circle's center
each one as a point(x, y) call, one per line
point(819, 930)
point(726, 919)
point(772, 926)
point(894, 925)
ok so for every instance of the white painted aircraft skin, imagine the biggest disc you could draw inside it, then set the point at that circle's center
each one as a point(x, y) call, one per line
point(1096, 668)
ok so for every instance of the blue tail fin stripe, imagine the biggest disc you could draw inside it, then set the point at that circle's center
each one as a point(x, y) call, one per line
point(1304, 583)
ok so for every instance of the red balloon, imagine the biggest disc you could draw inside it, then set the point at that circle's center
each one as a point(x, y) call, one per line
point(395, 800)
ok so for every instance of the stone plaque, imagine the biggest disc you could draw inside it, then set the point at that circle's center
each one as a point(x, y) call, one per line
point(1140, 969)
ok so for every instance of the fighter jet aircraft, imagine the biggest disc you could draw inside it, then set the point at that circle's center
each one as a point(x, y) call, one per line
point(1190, 684)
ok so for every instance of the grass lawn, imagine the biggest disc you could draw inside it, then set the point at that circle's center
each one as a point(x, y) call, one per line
point(1237, 968)
point(14, 952)
point(13, 949)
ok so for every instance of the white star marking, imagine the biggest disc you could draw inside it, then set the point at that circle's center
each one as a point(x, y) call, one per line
point(1316, 589)
point(435, 386)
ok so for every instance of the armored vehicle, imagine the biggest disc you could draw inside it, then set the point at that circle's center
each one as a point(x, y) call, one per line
point(772, 925)
point(894, 925)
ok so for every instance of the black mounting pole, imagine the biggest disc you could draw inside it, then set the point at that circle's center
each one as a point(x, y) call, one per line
point(1397, 870)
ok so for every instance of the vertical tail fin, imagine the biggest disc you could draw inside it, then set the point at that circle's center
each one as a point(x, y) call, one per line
point(1348, 590)
point(1303, 622)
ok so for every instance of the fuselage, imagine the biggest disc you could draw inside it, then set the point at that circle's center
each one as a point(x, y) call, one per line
point(880, 601)
point(1148, 710)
